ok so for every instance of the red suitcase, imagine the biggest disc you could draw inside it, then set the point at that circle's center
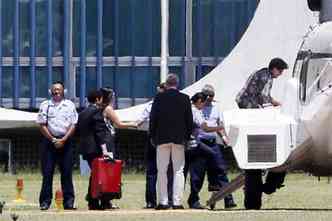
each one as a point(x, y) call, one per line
point(106, 178)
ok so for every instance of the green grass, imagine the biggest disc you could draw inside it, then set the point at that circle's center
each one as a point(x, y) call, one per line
point(303, 198)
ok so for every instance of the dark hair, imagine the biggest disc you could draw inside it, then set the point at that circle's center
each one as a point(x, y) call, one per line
point(162, 86)
point(93, 95)
point(172, 80)
point(278, 63)
point(59, 82)
point(107, 93)
point(198, 96)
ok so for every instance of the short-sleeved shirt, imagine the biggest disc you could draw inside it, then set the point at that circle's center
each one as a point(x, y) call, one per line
point(257, 90)
point(59, 117)
point(198, 121)
point(213, 118)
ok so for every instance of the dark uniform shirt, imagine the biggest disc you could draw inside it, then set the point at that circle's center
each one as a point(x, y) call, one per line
point(256, 91)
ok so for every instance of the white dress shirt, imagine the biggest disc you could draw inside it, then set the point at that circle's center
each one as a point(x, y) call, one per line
point(59, 117)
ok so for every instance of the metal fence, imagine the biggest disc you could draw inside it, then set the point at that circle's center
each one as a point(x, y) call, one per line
point(24, 150)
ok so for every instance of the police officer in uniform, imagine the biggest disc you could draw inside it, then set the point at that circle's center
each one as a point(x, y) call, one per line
point(57, 118)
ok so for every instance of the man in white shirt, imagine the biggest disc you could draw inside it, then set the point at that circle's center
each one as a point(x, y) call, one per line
point(216, 165)
point(57, 118)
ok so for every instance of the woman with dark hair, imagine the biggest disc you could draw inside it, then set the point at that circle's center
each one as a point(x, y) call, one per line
point(111, 118)
point(110, 115)
point(105, 116)
point(93, 142)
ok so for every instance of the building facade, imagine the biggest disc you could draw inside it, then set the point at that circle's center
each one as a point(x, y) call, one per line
point(93, 43)
point(118, 43)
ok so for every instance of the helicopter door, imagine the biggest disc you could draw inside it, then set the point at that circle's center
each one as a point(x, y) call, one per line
point(315, 76)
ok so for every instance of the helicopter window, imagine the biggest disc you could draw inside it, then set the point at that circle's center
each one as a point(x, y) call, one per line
point(303, 78)
point(325, 80)
point(297, 68)
point(315, 76)
point(298, 63)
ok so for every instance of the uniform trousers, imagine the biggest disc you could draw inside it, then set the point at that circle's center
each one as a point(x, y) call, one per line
point(50, 156)
point(213, 164)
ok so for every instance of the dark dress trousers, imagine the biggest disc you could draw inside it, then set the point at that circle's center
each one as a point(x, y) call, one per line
point(64, 157)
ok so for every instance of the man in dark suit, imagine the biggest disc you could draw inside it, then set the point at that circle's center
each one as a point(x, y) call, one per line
point(93, 140)
point(171, 123)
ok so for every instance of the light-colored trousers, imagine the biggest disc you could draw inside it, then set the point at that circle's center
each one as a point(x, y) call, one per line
point(176, 152)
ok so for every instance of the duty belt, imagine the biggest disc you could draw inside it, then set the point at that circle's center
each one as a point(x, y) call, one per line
point(208, 141)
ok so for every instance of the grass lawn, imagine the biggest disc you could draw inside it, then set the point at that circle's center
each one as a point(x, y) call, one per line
point(303, 198)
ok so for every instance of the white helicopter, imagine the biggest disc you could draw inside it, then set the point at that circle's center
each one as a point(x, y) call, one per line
point(296, 136)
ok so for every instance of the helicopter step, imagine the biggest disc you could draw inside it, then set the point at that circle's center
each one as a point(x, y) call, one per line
point(235, 184)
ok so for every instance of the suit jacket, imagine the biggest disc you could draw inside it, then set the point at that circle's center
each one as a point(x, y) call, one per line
point(92, 131)
point(171, 119)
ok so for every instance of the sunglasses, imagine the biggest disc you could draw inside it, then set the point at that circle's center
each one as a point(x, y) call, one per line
point(209, 94)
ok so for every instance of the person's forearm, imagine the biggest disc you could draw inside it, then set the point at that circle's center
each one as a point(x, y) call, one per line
point(45, 132)
point(211, 129)
point(275, 102)
point(122, 125)
point(110, 114)
point(104, 148)
point(222, 132)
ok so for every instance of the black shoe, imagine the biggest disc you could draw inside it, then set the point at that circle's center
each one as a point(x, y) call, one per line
point(162, 207)
point(212, 188)
point(230, 204)
point(106, 206)
point(94, 207)
point(44, 207)
point(197, 205)
point(269, 189)
point(177, 207)
point(2, 204)
point(69, 208)
point(150, 206)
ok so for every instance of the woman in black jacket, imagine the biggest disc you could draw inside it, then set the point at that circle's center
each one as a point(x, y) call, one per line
point(94, 137)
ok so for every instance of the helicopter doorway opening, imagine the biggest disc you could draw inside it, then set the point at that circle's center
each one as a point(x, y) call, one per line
point(5, 156)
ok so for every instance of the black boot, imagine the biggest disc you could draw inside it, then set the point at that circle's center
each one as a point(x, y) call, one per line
point(2, 204)
point(93, 204)
point(105, 203)
point(229, 202)
point(273, 182)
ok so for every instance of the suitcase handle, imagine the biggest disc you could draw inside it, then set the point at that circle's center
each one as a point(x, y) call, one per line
point(108, 159)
